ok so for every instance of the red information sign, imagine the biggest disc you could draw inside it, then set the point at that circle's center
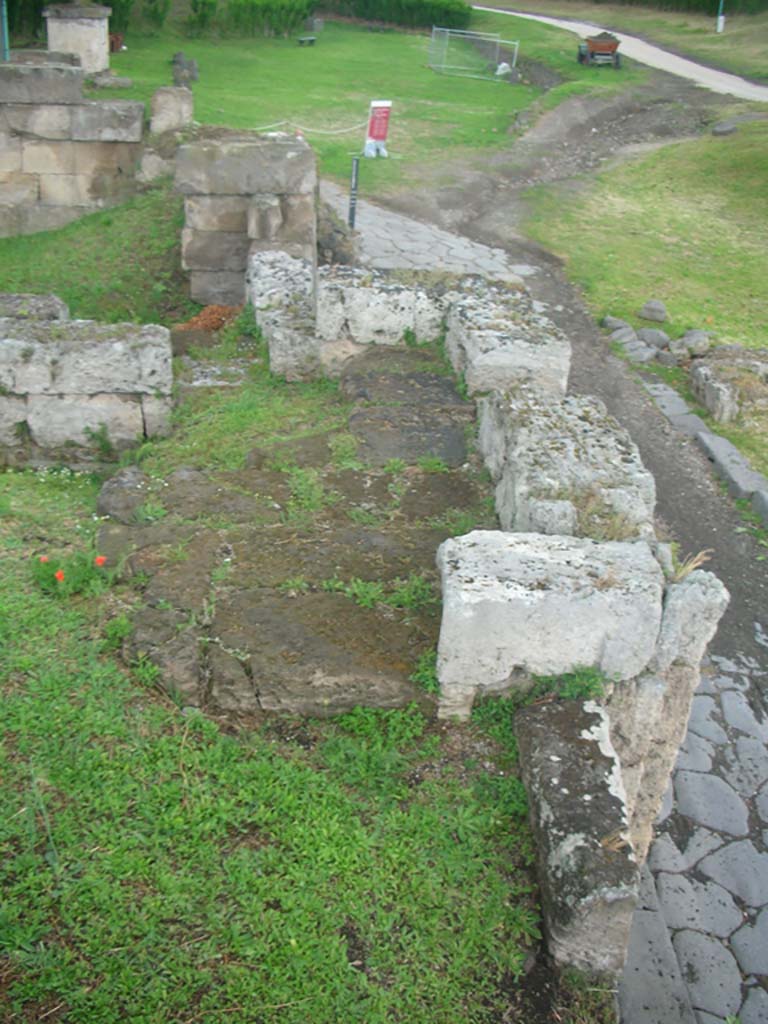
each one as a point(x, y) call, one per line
point(378, 125)
point(378, 120)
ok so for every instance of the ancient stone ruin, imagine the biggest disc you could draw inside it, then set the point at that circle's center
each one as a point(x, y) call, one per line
point(574, 578)
point(244, 194)
point(61, 155)
point(76, 391)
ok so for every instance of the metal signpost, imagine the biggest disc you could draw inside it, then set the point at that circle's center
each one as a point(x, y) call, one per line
point(5, 42)
point(375, 145)
point(353, 191)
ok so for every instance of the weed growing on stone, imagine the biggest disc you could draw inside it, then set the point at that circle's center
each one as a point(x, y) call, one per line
point(496, 714)
point(344, 451)
point(150, 512)
point(414, 593)
point(432, 464)
point(99, 438)
point(295, 585)
point(425, 673)
point(308, 495)
point(583, 683)
point(684, 567)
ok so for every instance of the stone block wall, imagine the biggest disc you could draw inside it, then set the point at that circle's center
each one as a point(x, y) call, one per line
point(61, 155)
point(244, 194)
point(74, 390)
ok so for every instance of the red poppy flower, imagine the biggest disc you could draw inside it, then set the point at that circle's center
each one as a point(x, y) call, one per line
point(59, 574)
point(99, 560)
point(43, 558)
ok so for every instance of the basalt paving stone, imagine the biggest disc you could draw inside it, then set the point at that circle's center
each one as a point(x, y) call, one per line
point(651, 991)
point(318, 653)
point(702, 722)
point(761, 803)
point(346, 553)
point(755, 1008)
point(695, 754)
point(739, 715)
point(666, 855)
point(745, 765)
point(711, 972)
point(709, 801)
point(410, 434)
point(750, 945)
point(699, 906)
point(740, 868)
point(700, 843)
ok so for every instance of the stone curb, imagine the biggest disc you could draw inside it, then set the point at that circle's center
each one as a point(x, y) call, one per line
point(727, 461)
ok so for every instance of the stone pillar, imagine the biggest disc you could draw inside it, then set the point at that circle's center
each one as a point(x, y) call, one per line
point(244, 194)
point(80, 30)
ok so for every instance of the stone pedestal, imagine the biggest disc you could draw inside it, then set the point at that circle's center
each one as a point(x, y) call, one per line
point(83, 30)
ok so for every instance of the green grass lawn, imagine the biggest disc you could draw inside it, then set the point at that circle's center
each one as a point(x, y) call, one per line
point(122, 264)
point(256, 82)
point(160, 867)
point(741, 48)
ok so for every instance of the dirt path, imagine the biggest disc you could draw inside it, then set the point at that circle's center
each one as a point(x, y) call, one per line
point(488, 206)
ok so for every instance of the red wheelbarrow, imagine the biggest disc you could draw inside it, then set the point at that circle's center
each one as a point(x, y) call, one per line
point(600, 49)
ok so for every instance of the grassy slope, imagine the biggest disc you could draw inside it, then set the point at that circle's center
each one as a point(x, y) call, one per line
point(686, 224)
point(122, 264)
point(160, 868)
point(741, 48)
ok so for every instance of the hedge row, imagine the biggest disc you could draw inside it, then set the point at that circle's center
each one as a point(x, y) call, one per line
point(410, 13)
point(268, 17)
point(708, 7)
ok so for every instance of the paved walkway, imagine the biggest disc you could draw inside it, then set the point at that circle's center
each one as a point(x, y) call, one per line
point(390, 241)
point(656, 57)
point(699, 948)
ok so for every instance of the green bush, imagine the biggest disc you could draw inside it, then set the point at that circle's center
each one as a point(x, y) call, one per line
point(268, 17)
point(411, 13)
point(201, 15)
point(155, 12)
point(121, 15)
point(708, 7)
